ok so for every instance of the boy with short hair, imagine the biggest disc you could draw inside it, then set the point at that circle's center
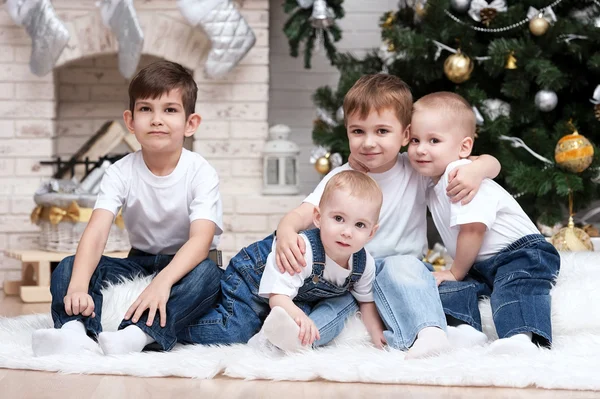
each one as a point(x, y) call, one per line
point(252, 286)
point(497, 250)
point(171, 206)
point(377, 113)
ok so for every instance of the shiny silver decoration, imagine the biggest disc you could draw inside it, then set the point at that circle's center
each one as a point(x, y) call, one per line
point(546, 100)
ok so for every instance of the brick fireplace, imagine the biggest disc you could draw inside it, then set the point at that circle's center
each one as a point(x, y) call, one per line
point(42, 117)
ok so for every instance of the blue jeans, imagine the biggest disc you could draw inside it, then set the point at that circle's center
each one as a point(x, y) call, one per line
point(190, 297)
point(240, 311)
point(406, 297)
point(518, 281)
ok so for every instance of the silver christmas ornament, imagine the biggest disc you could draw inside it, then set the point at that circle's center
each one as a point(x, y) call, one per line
point(546, 100)
point(460, 6)
point(305, 3)
point(322, 16)
point(339, 115)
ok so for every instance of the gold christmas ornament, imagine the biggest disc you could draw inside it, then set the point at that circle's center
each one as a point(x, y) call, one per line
point(571, 238)
point(322, 165)
point(574, 152)
point(390, 47)
point(389, 20)
point(458, 67)
point(511, 61)
point(538, 25)
point(420, 9)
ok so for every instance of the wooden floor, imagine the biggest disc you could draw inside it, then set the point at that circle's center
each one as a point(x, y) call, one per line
point(36, 384)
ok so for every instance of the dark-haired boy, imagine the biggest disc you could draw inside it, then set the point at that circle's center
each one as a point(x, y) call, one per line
point(171, 206)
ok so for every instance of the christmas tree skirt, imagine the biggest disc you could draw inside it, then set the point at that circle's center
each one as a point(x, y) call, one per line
point(571, 364)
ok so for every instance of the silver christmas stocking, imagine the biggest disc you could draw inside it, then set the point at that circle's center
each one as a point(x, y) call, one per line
point(121, 18)
point(229, 33)
point(49, 35)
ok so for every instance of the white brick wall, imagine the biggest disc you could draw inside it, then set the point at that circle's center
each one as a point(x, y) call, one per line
point(292, 86)
point(53, 115)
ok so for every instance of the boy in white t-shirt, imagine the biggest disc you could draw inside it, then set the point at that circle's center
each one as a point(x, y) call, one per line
point(252, 286)
point(497, 250)
point(171, 206)
point(377, 113)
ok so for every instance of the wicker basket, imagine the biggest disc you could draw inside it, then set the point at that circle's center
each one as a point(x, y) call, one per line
point(65, 235)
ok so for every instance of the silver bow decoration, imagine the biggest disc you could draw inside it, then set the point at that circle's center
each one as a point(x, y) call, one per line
point(478, 117)
point(305, 3)
point(478, 5)
point(596, 96)
point(49, 35)
point(325, 117)
point(120, 17)
point(546, 13)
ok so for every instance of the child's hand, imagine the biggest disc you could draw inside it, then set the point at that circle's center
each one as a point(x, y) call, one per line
point(289, 253)
point(357, 165)
point(309, 332)
point(79, 303)
point(444, 275)
point(378, 339)
point(464, 182)
point(153, 298)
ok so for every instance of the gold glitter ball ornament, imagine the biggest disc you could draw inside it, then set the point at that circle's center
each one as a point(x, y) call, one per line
point(538, 25)
point(574, 152)
point(572, 238)
point(323, 165)
point(458, 67)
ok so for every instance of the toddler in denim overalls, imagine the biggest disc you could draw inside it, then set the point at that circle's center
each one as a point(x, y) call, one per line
point(252, 287)
point(497, 250)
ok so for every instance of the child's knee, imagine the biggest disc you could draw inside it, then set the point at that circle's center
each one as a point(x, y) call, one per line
point(61, 276)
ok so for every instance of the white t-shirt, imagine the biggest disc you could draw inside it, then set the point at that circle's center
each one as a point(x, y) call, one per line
point(275, 282)
point(505, 220)
point(402, 220)
point(158, 210)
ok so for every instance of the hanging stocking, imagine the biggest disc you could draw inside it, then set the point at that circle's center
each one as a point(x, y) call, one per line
point(120, 17)
point(229, 33)
point(49, 35)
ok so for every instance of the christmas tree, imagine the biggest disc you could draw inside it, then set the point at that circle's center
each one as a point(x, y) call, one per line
point(530, 69)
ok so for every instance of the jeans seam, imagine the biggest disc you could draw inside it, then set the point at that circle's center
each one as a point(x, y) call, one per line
point(503, 305)
point(344, 312)
point(379, 292)
point(527, 328)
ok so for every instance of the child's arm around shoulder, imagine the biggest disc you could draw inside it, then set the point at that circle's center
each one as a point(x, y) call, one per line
point(290, 246)
point(464, 181)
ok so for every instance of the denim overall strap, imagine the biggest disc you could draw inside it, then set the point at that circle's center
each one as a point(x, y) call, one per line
point(318, 252)
point(359, 263)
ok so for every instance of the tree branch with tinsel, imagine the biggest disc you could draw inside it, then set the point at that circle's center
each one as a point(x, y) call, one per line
point(312, 22)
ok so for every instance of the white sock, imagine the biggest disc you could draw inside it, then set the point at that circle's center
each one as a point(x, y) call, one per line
point(282, 331)
point(517, 344)
point(130, 339)
point(69, 339)
point(430, 341)
point(465, 336)
point(260, 342)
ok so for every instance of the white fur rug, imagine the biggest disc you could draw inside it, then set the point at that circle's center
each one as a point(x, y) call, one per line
point(571, 364)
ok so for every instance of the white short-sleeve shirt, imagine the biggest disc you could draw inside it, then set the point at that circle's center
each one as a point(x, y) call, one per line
point(505, 220)
point(158, 210)
point(402, 220)
point(275, 282)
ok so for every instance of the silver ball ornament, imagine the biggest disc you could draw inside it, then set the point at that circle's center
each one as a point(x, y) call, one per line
point(460, 6)
point(339, 115)
point(546, 100)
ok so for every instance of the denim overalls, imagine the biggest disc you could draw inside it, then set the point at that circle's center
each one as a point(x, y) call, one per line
point(518, 281)
point(240, 311)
